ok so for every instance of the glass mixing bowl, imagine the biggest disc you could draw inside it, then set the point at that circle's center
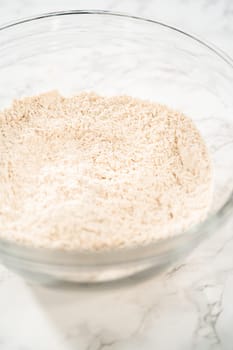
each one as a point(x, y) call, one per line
point(111, 54)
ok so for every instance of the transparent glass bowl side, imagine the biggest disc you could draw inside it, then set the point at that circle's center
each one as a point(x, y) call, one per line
point(117, 54)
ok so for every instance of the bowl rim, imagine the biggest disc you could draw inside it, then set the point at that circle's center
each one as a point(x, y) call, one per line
point(221, 53)
point(9, 248)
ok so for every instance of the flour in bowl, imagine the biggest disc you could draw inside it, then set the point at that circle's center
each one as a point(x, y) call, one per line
point(90, 172)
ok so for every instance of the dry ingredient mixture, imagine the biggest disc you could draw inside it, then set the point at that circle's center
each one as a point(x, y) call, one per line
point(93, 172)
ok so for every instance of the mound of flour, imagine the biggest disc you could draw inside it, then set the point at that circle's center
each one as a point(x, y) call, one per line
point(91, 172)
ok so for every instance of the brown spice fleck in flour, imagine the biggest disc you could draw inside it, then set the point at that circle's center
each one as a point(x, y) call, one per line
point(93, 172)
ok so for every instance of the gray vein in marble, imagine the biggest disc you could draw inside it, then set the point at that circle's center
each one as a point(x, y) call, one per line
point(224, 245)
point(208, 313)
point(175, 269)
point(103, 340)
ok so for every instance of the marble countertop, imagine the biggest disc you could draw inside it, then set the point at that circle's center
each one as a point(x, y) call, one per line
point(189, 306)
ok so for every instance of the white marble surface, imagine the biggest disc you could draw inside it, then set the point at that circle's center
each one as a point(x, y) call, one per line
point(187, 307)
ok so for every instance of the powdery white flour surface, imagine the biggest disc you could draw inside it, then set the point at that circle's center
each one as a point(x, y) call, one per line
point(93, 172)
